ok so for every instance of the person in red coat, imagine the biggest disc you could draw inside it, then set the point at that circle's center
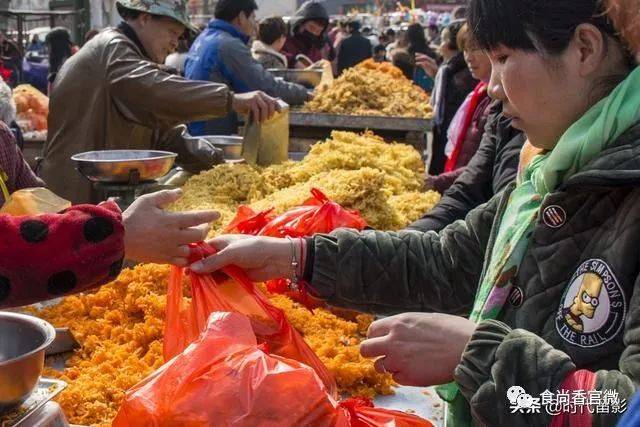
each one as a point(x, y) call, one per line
point(52, 255)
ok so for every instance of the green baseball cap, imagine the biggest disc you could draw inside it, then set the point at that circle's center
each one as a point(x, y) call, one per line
point(175, 9)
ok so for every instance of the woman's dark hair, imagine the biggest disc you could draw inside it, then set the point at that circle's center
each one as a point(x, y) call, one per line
point(59, 42)
point(405, 62)
point(271, 29)
point(460, 12)
point(546, 26)
point(416, 41)
point(452, 34)
point(228, 10)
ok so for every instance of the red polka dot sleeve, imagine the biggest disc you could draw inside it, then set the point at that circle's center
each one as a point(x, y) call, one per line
point(47, 256)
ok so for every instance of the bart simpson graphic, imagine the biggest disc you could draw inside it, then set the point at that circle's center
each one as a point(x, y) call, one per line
point(585, 303)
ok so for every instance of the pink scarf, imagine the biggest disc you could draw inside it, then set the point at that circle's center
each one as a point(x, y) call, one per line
point(458, 136)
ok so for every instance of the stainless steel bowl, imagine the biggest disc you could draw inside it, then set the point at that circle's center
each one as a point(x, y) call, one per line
point(230, 145)
point(23, 341)
point(307, 78)
point(124, 166)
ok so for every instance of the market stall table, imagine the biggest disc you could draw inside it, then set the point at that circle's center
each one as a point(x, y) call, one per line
point(308, 128)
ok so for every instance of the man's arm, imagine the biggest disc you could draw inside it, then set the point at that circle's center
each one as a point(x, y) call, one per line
point(151, 97)
point(241, 67)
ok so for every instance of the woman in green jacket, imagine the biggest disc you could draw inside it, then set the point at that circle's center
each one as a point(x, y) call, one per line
point(538, 290)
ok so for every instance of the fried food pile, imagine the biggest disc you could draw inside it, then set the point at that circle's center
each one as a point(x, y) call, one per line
point(120, 326)
point(369, 89)
point(32, 107)
point(358, 171)
point(120, 330)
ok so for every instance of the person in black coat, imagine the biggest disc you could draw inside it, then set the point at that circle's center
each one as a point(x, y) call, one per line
point(491, 169)
point(354, 49)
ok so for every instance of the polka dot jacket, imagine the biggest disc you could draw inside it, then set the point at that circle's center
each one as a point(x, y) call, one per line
point(48, 256)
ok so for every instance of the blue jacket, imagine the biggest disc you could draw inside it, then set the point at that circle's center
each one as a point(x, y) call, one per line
point(221, 54)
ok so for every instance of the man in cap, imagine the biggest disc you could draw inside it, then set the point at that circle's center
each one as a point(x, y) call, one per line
point(113, 94)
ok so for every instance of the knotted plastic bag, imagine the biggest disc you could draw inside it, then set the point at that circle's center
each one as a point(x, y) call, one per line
point(249, 222)
point(33, 201)
point(231, 291)
point(226, 378)
point(317, 215)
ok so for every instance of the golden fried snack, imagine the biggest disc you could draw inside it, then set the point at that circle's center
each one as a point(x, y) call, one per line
point(366, 90)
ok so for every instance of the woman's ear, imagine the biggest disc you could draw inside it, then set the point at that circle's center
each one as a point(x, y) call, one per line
point(591, 47)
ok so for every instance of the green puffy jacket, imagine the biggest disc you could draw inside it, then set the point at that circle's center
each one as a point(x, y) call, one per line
point(575, 303)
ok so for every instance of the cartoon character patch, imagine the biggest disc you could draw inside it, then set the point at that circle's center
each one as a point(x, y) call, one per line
point(593, 308)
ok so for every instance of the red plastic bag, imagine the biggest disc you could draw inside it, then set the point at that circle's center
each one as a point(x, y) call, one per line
point(360, 412)
point(248, 222)
point(232, 291)
point(316, 215)
point(225, 378)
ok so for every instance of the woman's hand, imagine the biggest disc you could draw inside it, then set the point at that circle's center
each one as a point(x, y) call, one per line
point(419, 349)
point(428, 64)
point(157, 236)
point(262, 258)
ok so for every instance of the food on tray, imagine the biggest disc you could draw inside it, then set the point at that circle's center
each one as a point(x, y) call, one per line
point(368, 90)
point(358, 171)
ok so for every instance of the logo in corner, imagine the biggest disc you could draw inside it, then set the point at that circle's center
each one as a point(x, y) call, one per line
point(593, 308)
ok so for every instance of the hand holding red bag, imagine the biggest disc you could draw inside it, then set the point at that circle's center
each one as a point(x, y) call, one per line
point(317, 215)
point(232, 291)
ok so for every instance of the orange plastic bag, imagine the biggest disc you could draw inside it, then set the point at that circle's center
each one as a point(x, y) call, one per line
point(360, 412)
point(226, 379)
point(316, 215)
point(232, 291)
point(248, 222)
point(33, 201)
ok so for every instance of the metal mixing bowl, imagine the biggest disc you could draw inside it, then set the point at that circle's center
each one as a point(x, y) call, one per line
point(307, 78)
point(23, 341)
point(230, 145)
point(124, 166)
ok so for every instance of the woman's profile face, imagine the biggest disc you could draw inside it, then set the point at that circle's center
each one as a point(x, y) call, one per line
point(479, 64)
point(543, 96)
